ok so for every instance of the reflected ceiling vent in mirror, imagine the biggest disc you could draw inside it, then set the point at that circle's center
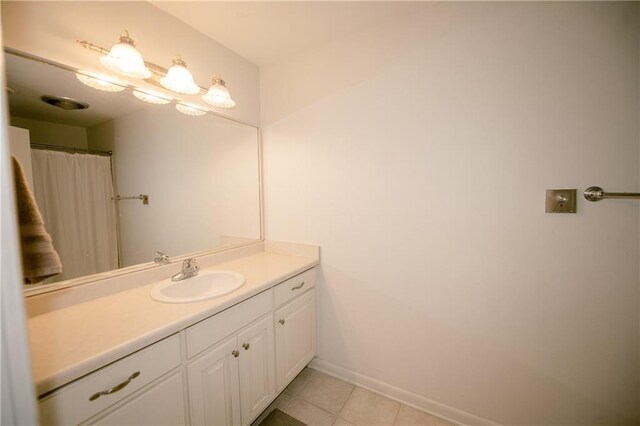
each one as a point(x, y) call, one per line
point(218, 94)
point(99, 83)
point(190, 109)
point(67, 104)
point(151, 97)
point(124, 58)
point(179, 78)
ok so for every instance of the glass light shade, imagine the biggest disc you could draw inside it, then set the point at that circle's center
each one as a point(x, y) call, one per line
point(218, 94)
point(151, 97)
point(190, 109)
point(125, 59)
point(100, 83)
point(179, 78)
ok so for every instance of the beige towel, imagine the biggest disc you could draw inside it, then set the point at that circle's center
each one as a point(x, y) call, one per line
point(39, 259)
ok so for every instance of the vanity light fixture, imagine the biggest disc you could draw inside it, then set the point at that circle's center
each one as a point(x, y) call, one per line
point(99, 82)
point(179, 78)
point(190, 109)
point(151, 97)
point(218, 94)
point(125, 59)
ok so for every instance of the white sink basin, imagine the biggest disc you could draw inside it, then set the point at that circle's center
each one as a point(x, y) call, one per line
point(205, 285)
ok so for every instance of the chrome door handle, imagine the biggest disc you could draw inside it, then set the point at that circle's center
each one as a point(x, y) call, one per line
point(235, 354)
point(298, 287)
point(114, 389)
point(281, 321)
point(245, 346)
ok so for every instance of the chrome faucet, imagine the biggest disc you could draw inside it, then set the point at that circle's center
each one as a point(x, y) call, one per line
point(161, 258)
point(189, 269)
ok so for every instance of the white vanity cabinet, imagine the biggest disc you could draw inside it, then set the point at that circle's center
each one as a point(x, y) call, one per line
point(128, 387)
point(223, 370)
point(295, 326)
point(214, 387)
point(233, 381)
point(160, 404)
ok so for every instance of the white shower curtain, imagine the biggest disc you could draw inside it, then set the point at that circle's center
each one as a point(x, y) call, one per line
point(73, 193)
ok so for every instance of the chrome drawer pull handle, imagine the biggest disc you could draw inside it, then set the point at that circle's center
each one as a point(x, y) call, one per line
point(235, 354)
point(115, 388)
point(298, 287)
point(245, 346)
point(281, 321)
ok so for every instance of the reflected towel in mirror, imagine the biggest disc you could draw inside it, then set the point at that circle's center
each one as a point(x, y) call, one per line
point(39, 258)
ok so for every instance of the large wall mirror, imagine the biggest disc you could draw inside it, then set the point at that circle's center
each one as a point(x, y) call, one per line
point(121, 179)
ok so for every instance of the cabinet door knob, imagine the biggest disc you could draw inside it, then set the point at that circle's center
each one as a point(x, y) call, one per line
point(298, 287)
point(281, 321)
point(235, 354)
point(245, 346)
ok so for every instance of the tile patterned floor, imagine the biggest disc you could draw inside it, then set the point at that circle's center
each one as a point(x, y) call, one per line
point(318, 399)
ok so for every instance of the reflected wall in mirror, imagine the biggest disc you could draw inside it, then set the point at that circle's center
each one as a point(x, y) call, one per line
point(200, 173)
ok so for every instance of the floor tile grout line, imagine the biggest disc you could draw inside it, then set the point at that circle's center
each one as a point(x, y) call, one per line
point(334, 417)
point(313, 372)
point(346, 401)
point(385, 396)
point(295, 394)
point(337, 414)
point(397, 413)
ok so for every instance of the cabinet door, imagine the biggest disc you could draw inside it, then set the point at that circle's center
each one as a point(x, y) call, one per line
point(213, 386)
point(257, 384)
point(161, 404)
point(295, 325)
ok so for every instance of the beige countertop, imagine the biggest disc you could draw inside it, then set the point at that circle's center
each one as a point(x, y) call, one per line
point(73, 341)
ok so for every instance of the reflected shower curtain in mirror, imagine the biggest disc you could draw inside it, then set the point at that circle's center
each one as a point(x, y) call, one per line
point(73, 192)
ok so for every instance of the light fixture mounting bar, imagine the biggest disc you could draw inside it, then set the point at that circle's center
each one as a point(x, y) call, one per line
point(94, 47)
point(157, 70)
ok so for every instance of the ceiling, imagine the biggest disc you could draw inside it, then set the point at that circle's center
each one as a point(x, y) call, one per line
point(265, 32)
point(262, 32)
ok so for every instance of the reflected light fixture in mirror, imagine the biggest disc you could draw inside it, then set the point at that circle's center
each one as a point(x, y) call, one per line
point(190, 109)
point(218, 94)
point(99, 82)
point(151, 97)
point(124, 58)
point(179, 78)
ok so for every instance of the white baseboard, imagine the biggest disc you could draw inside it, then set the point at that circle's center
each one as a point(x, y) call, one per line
point(408, 398)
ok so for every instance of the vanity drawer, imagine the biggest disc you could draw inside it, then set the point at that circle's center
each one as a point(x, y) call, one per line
point(293, 287)
point(210, 331)
point(71, 404)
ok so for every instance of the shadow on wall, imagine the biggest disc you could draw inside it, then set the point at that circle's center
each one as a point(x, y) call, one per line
point(331, 68)
point(350, 61)
point(541, 398)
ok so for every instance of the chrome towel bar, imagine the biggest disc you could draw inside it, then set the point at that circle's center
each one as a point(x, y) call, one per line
point(143, 197)
point(595, 193)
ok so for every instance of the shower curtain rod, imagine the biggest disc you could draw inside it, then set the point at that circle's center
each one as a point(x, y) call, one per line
point(71, 149)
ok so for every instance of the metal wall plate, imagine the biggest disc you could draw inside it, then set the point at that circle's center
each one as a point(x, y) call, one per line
point(561, 201)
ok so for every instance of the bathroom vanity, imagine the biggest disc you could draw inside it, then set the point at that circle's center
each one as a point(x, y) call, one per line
point(123, 358)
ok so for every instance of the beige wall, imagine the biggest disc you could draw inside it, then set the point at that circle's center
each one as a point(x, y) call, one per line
point(50, 30)
point(201, 175)
point(417, 154)
point(44, 132)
